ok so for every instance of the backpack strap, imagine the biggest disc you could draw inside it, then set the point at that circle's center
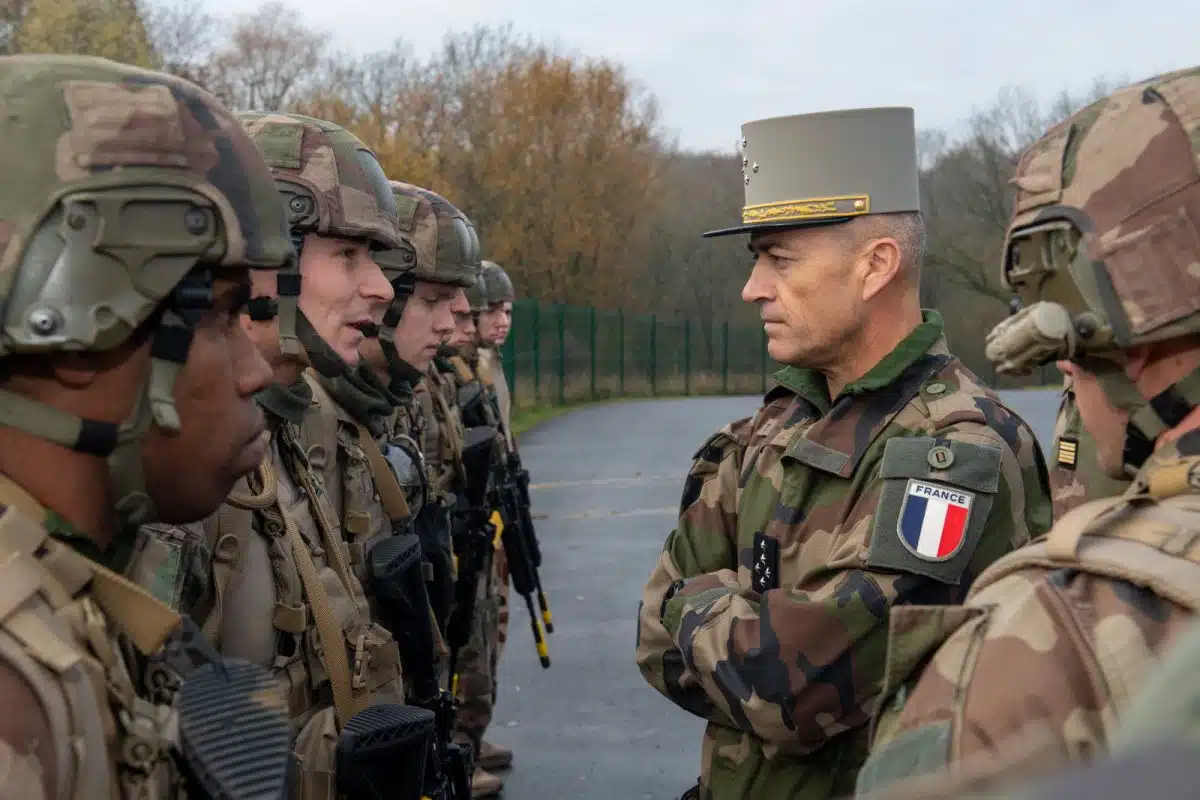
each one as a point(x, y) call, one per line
point(1154, 544)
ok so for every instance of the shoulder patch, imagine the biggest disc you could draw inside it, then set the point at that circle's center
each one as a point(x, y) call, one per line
point(936, 497)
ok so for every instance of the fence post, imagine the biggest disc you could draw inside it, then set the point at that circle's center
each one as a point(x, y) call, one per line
point(592, 345)
point(762, 362)
point(562, 353)
point(687, 355)
point(537, 351)
point(725, 357)
point(621, 352)
point(653, 354)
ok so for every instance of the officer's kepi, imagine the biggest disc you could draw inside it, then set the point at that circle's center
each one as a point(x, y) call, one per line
point(819, 169)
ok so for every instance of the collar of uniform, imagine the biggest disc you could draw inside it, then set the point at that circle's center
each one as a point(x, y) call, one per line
point(404, 376)
point(811, 385)
point(287, 402)
point(11, 494)
point(839, 439)
point(362, 396)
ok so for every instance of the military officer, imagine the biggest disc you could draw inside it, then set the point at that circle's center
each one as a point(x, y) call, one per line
point(1039, 665)
point(879, 472)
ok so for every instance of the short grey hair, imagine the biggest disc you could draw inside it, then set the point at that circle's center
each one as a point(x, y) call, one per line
point(906, 227)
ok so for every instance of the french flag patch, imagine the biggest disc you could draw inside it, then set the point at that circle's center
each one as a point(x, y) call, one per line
point(933, 520)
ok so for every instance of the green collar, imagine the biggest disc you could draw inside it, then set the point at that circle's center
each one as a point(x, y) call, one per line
point(115, 557)
point(811, 385)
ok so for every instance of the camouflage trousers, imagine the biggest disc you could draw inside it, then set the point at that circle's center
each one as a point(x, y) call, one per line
point(481, 657)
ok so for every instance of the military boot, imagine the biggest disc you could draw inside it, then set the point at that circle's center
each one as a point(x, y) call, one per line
point(485, 784)
point(494, 756)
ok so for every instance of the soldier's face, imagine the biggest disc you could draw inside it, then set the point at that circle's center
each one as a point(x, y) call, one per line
point(464, 323)
point(803, 282)
point(1104, 421)
point(427, 322)
point(342, 291)
point(189, 473)
point(495, 323)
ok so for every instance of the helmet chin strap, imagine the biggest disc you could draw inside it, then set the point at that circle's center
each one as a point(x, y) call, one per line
point(1148, 419)
point(126, 469)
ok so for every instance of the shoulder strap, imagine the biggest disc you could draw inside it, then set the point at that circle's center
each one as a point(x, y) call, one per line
point(1156, 545)
point(485, 368)
point(390, 492)
point(320, 426)
point(226, 532)
point(346, 700)
point(461, 369)
point(142, 617)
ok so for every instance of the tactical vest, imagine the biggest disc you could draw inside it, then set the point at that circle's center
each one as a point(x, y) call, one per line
point(56, 607)
point(491, 371)
point(432, 441)
point(1151, 540)
point(443, 397)
point(286, 598)
point(332, 440)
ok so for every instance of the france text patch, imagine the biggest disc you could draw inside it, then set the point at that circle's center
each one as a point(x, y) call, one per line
point(933, 519)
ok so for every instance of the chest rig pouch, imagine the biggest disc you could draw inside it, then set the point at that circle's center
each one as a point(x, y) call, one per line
point(81, 636)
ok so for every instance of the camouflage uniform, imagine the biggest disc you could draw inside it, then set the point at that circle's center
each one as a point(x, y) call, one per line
point(800, 526)
point(477, 685)
point(1075, 477)
point(121, 186)
point(1039, 665)
point(278, 584)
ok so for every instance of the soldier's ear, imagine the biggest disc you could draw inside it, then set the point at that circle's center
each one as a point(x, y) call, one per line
point(880, 260)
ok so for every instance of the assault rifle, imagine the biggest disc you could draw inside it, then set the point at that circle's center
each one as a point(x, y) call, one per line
point(396, 569)
point(472, 537)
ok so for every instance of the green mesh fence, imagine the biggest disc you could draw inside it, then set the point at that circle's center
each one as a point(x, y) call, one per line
point(559, 353)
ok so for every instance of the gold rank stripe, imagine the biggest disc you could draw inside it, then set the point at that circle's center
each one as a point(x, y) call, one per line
point(811, 208)
point(1067, 452)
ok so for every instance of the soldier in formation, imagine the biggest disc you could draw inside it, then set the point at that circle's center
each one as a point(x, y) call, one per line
point(1041, 663)
point(879, 472)
point(280, 583)
point(133, 209)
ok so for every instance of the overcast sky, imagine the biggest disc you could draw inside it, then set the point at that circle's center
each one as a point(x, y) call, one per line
point(714, 64)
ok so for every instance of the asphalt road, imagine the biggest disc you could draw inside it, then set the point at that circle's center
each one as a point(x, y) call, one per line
point(606, 484)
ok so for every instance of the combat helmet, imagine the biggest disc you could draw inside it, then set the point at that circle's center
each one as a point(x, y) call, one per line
point(331, 184)
point(498, 287)
point(1102, 244)
point(123, 193)
point(439, 245)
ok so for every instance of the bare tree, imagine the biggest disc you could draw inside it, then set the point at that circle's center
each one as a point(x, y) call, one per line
point(267, 60)
point(184, 37)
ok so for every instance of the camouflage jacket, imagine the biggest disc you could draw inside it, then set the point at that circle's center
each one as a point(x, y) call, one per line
point(440, 400)
point(1037, 667)
point(1075, 476)
point(799, 528)
point(1156, 745)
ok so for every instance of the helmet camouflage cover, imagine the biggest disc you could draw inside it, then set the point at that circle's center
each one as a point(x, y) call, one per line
point(118, 182)
point(331, 184)
point(438, 245)
point(498, 287)
point(1103, 245)
point(445, 248)
point(1105, 230)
